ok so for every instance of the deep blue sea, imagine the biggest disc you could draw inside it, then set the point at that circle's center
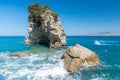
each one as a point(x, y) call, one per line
point(42, 63)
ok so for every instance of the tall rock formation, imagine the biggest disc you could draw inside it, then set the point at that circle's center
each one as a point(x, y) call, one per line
point(44, 27)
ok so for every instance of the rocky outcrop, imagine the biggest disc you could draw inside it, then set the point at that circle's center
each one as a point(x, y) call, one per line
point(76, 56)
point(44, 27)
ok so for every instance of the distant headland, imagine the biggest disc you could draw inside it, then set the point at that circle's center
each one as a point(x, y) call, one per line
point(117, 33)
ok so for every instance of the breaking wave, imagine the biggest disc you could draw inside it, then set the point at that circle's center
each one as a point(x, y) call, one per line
point(47, 66)
point(96, 42)
point(42, 66)
point(32, 67)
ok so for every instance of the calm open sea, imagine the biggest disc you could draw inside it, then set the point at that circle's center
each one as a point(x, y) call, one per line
point(42, 63)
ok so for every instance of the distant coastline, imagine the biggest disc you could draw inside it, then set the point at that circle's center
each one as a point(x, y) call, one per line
point(94, 34)
point(72, 36)
point(105, 34)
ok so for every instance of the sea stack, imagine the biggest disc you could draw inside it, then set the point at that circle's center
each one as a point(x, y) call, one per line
point(76, 56)
point(44, 27)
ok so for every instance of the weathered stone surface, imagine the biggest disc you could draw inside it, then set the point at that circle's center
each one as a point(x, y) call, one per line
point(47, 31)
point(75, 56)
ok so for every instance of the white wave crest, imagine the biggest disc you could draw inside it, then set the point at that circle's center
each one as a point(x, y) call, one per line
point(40, 74)
point(32, 67)
point(96, 42)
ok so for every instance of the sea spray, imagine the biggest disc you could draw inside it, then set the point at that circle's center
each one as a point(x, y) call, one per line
point(96, 42)
point(33, 66)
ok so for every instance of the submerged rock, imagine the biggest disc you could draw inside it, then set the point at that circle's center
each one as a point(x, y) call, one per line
point(17, 55)
point(75, 56)
point(44, 27)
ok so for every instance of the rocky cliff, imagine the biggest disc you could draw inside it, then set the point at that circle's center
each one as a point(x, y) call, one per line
point(44, 27)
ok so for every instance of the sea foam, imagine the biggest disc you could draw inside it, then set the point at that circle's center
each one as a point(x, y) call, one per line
point(33, 67)
point(96, 42)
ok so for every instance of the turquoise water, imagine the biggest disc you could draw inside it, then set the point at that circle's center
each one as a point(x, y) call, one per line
point(42, 63)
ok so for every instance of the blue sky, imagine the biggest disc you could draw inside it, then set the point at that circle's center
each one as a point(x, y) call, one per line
point(78, 17)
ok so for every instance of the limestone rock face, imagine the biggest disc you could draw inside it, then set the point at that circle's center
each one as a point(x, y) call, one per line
point(46, 30)
point(75, 56)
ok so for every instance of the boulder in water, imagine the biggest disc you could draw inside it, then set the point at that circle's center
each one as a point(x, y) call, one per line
point(17, 55)
point(75, 56)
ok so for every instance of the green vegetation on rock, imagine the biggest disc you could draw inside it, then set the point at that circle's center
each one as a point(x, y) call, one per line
point(36, 10)
point(55, 15)
point(43, 25)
